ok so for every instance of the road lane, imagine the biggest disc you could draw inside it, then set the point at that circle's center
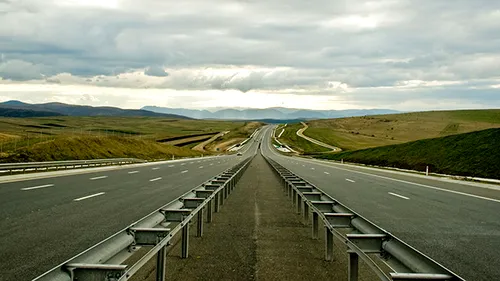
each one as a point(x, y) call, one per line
point(456, 224)
point(43, 227)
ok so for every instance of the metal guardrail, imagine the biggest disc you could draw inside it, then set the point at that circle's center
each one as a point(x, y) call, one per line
point(56, 165)
point(104, 261)
point(364, 238)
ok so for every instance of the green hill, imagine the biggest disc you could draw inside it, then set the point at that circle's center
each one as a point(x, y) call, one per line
point(373, 131)
point(474, 154)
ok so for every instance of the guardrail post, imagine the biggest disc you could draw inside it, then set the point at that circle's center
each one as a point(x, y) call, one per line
point(328, 244)
point(216, 201)
point(352, 270)
point(294, 197)
point(315, 225)
point(306, 211)
point(221, 194)
point(185, 241)
point(199, 224)
point(160, 264)
point(209, 211)
point(299, 204)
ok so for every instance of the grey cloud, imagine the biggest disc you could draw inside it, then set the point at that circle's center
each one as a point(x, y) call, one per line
point(156, 71)
point(327, 41)
point(20, 70)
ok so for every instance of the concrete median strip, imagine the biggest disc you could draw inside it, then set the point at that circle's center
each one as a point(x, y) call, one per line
point(256, 236)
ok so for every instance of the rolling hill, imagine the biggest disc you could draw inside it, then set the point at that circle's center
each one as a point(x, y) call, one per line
point(372, 131)
point(474, 154)
point(9, 108)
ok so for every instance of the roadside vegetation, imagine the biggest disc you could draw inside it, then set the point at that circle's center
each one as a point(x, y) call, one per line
point(474, 154)
point(380, 130)
point(68, 138)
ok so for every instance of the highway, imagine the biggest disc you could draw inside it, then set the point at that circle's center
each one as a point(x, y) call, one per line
point(47, 220)
point(456, 224)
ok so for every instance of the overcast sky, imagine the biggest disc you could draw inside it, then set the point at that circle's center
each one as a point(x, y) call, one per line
point(322, 54)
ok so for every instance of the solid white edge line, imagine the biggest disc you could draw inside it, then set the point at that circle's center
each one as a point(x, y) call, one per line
point(155, 179)
point(400, 196)
point(417, 184)
point(349, 180)
point(98, 178)
point(89, 196)
point(37, 187)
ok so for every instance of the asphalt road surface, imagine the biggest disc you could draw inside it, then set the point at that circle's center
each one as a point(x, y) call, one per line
point(456, 224)
point(46, 221)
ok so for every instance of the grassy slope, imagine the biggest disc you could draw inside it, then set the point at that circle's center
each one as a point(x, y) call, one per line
point(299, 144)
point(372, 131)
point(471, 154)
point(60, 138)
point(79, 148)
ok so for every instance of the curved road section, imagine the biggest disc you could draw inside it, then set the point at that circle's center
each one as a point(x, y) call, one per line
point(300, 133)
point(201, 146)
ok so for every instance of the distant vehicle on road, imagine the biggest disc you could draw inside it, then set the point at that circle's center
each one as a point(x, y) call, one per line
point(239, 154)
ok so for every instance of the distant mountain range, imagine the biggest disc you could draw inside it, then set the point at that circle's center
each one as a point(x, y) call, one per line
point(269, 115)
point(274, 113)
point(21, 109)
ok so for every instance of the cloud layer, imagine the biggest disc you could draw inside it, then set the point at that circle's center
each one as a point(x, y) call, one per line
point(405, 54)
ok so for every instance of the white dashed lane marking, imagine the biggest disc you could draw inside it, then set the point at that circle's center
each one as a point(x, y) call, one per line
point(400, 196)
point(37, 187)
point(89, 196)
